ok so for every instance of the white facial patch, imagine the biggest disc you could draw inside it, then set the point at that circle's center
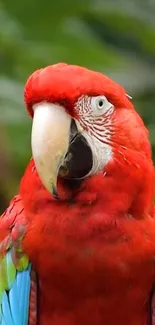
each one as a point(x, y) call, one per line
point(102, 153)
point(95, 119)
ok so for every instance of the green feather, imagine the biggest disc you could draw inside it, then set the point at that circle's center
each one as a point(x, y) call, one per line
point(14, 260)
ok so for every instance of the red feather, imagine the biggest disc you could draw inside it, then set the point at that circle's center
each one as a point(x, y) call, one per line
point(64, 84)
point(92, 256)
point(93, 250)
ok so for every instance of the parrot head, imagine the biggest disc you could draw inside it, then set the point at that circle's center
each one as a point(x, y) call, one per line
point(83, 122)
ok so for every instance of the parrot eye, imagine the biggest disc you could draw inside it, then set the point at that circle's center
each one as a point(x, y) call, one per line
point(100, 105)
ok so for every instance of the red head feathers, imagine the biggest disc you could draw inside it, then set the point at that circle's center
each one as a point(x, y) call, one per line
point(104, 117)
point(63, 83)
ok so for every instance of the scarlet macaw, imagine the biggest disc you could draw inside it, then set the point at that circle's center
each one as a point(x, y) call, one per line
point(77, 244)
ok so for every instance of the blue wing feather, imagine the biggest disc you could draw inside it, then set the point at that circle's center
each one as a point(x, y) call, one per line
point(15, 302)
point(3, 322)
point(15, 268)
point(6, 315)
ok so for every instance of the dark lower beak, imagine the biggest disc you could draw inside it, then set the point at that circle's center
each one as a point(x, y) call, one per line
point(78, 160)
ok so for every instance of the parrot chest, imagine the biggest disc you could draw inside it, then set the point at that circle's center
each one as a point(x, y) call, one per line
point(102, 277)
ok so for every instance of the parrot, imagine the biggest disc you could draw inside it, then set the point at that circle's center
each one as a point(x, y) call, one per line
point(77, 243)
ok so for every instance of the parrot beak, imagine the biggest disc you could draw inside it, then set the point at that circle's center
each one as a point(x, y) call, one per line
point(50, 141)
point(58, 146)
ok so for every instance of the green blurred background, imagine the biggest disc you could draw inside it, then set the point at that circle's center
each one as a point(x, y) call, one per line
point(116, 37)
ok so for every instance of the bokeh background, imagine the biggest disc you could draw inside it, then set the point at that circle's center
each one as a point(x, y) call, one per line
point(116, 37)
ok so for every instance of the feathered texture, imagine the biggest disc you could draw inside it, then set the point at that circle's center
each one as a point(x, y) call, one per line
point(33, 300)
point(64, 84)
point(15, 301)
point(94, 248)
point(100, 236)
point(15, 281)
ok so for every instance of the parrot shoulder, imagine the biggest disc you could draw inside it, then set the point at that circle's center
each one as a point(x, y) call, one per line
point(16, 276)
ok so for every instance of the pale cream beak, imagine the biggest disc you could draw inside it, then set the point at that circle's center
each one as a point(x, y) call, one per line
point(50, 141)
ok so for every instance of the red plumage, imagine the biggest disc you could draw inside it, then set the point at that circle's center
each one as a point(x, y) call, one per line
point(94, 249)
point(64, 84)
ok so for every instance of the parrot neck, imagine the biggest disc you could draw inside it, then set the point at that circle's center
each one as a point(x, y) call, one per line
point(118, 190)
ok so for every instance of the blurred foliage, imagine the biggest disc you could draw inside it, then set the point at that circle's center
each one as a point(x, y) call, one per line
point(116, 37)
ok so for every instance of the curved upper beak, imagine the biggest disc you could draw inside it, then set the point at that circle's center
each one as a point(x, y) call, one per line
point(50, 142)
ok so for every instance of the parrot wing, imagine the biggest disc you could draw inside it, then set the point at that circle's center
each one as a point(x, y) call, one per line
point(16, 276)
